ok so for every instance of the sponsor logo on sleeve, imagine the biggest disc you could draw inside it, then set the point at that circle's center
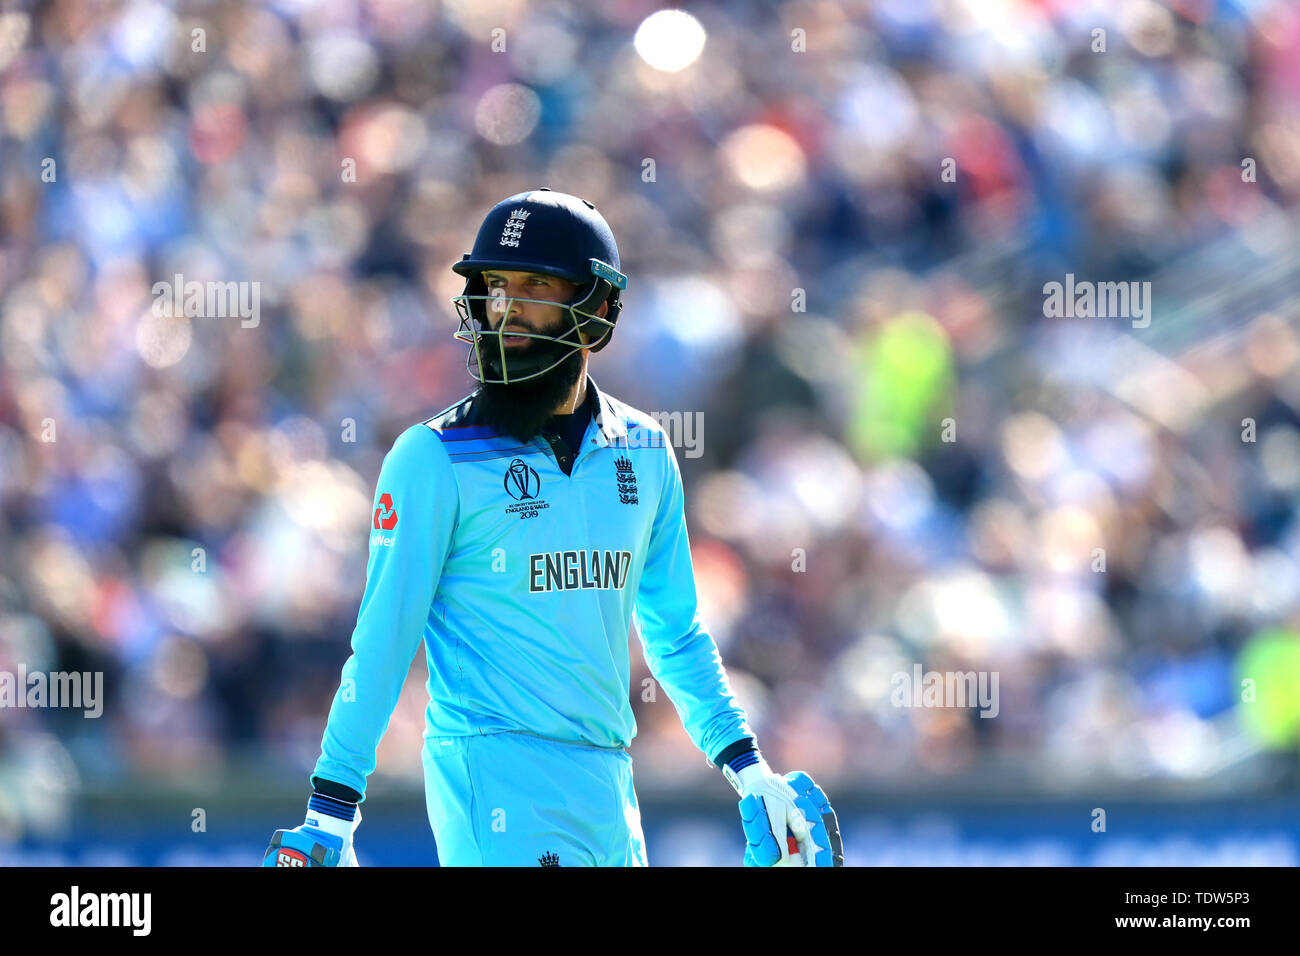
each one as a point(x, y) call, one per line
point(385, 519)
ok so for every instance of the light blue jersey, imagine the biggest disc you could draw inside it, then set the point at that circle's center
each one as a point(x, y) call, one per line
point(522, 581)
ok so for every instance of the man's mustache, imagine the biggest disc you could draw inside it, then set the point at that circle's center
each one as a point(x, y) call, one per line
point(515, 327)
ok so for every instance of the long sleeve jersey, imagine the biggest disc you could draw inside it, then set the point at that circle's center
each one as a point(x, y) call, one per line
point(521, 568)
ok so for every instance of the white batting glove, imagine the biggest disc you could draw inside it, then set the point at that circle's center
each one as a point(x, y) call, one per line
point(779, 801)
point(343, 829)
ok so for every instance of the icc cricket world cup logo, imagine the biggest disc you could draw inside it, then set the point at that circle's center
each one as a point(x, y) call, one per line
point(521, 481)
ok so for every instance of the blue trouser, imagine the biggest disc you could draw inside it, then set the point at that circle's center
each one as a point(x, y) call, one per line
point(512, 799)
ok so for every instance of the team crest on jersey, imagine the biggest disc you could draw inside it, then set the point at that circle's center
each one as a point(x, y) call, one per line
point(522, 482)
point(626, 480)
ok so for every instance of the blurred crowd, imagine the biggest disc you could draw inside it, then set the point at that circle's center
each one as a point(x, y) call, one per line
point(837, 222)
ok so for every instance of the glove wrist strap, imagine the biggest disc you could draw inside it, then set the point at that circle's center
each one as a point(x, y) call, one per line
point(744, 771)
point(336, 817)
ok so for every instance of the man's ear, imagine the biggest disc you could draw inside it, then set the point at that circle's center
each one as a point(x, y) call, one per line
point(587, 339)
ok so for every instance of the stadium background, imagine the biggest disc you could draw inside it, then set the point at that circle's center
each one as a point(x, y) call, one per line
point(803, 279)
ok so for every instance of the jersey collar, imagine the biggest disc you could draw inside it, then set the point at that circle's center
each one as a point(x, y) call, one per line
point(609, 423)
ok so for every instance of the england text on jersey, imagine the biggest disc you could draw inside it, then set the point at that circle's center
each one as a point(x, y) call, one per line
point(565, 570)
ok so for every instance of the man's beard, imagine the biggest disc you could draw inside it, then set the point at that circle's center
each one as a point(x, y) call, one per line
point(522, 408)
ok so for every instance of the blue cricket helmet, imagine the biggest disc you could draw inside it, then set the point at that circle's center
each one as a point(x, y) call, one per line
point(555, 234)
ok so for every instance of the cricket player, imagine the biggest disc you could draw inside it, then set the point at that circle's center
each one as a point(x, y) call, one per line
point(518, 533)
